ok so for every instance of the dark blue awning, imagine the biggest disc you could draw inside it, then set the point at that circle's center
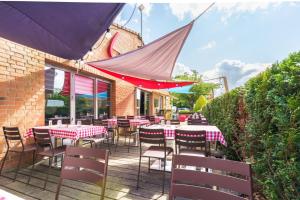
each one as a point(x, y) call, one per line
point(67, 30)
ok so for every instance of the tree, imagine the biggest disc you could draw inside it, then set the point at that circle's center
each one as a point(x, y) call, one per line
point(200, 103)
point(198, 89)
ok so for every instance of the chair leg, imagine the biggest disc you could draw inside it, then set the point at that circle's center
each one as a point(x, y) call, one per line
point(58, 189)
point(164, 174)
point(33, 162)
point(139, 171)
point(129, 142)
point(117, 142)
point(47, 175)
point(91, 143)
point(19, 164)
point(149, 165)
point(3, 161)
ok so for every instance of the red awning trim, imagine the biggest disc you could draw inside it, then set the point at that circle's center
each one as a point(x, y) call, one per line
point(148, 84)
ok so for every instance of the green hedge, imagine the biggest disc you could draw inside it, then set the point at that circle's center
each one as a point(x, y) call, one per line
point(265, 123)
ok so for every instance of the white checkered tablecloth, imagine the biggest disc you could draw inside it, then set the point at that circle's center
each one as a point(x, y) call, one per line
point(73, 132)
point(212, 132)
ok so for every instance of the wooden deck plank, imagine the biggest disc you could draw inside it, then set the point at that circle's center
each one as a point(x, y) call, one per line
point(121, 181)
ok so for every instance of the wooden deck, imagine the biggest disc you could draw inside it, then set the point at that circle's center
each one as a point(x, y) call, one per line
point(121, 183)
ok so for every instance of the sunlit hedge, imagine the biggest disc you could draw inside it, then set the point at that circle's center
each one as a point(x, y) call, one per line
point(261, 123)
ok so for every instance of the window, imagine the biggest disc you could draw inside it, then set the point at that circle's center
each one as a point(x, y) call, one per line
point(84, 97)
point(57, 94)
point(103, 98)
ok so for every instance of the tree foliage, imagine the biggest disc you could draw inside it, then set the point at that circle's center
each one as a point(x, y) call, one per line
point(200, 103)
point(268, 126)
point(201, 88)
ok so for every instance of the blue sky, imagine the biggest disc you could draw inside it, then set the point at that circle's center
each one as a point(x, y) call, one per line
point(234, 39)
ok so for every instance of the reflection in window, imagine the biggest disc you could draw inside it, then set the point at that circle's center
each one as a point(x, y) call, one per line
point(57, 94)
point(103, 95)
point(84, 92)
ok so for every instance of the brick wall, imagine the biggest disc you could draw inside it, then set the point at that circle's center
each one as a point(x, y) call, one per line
point(22, 90)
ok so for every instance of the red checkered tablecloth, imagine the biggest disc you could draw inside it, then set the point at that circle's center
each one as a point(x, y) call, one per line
point(73, 132)
point(212, 132)
point(133, 122)
point(158, 119)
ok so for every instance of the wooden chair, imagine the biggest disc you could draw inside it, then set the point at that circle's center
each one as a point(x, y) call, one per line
point(45, 148)
point(197, 122)
point(13, 140)
point(234, 182)
point(97, 122)
point(85, 121)
point(124, 124)
point(175, 122)
point(143, 117)
point(194, 142)
point(130, 117)
point(84, 165)
point(158, 149)
point(152, 119)
point(121, 117)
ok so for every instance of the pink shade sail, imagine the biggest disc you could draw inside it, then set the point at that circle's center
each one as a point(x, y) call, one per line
point(148, 84)
point(155, 60)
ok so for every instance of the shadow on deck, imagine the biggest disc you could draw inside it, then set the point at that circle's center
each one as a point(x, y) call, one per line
point(121, 181)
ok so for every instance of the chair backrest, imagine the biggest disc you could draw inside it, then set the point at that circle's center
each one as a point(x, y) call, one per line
point(197, 122)
point(152, 119)
point(130, 117)
point(65, 121)
point(152, 136)
point(88, 165)
point(175, 122)
point(190, 139)
point(12, 135)
point(42, 138)
point(234, 182)
point(121, 117)
point(86, 121)
point(123, 123)
point(97, 122)
point(143, 117)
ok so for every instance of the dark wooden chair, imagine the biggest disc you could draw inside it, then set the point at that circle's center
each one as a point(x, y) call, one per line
point(197, 122)
point(121, 117)
point(13, 140)
point(175, 122)
point(152, 119)
point(124, 124)
point(157, 150)
point(130, 117)
point(85, 121)
point(97, 122)
point(45, 148)
point(228, 180)
point(143, 117)
point(64, 121)
point(193, 142)
point(84, 165)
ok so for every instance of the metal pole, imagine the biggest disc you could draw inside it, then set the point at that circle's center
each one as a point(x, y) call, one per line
point(141, 24)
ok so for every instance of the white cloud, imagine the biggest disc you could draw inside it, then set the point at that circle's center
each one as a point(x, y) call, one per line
point(147, 9)
point(228, 7)
point(119, 20)
point(192, 10)
point(236, 71)
point(181, 69)
point(209, 45)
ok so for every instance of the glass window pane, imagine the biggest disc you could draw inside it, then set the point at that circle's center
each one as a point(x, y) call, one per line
point(103, 95)
point(84, 93)
point(57, 94)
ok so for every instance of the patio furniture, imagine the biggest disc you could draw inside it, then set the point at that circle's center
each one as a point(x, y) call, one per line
point(130, 117)
point(175, 122)
point(152, 119)
point(124, 124)
point(194, 143)
point(85, 121)
point(143, 117)
point(158, 149)
point(45, 148)
point(97, 122)
point(78, 165)
point(234, 182)
point(13, 139)
point(121, 117)
point(197, 122)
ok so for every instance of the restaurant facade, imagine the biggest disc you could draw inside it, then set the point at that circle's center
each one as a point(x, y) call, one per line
point(36, 87)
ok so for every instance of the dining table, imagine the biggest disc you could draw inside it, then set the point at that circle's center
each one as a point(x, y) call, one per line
point(113, 122)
